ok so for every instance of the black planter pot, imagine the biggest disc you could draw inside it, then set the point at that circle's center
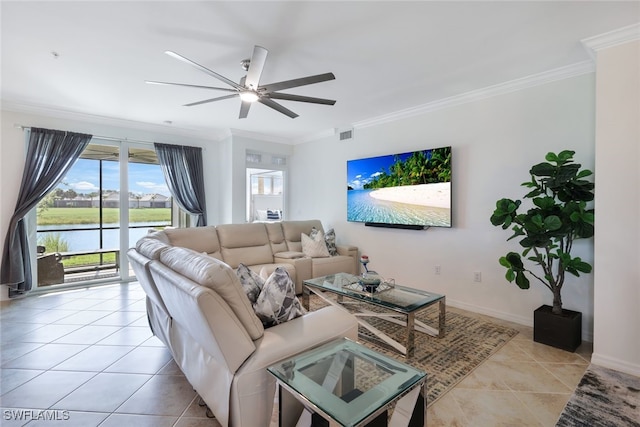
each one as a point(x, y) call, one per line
point(560, 331)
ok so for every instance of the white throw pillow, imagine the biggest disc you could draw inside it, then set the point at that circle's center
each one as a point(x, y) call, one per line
point(277, 303)
point(314, 247)
point(261, 215)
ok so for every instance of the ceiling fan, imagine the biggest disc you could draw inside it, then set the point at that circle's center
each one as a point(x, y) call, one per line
point(249, 88)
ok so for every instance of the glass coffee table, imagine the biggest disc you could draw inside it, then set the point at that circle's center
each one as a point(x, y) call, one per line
point(400, 303)
point(347, 384)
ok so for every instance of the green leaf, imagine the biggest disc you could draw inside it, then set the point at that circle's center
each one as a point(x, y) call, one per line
point(515, 261)
point(552, 223)
point(583, 173)
point(565, 155)
point(503, 262)
point(510, 275)
point(551, 157)
point(521, 280)
point(544, 202)
point(543, 169)
point(581, 266)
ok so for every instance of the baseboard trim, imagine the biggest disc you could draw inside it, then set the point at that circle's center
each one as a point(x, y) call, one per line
point(617, 364)
point(521, 320)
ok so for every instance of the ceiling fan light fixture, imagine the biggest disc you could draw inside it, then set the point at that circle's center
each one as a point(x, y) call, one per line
point(249, 96)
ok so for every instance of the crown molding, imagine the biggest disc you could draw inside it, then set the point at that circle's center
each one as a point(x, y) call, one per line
point(611, 38)
point(573, 70)
point(58, 113)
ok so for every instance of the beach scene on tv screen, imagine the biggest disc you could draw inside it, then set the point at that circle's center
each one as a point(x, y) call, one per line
point(409, 188)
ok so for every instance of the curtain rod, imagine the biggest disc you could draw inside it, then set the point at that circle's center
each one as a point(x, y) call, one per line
point(106, 138)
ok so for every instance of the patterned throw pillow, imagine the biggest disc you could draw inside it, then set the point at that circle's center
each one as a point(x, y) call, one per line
point(277, 303)
point(330, 239)
point(251, 282)
point(314, 247)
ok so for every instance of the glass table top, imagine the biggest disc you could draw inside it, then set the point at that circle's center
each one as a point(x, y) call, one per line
point(346, 380)
point(395, 297)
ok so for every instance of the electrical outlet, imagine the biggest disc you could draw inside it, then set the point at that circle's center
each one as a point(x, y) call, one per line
point(477, 276)
point(437, 270)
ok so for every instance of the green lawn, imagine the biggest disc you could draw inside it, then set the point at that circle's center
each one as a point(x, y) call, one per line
point(73, 216)
point(92, 259)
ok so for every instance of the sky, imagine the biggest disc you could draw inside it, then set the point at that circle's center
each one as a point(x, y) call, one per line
point(83, 178)
point(362, 171)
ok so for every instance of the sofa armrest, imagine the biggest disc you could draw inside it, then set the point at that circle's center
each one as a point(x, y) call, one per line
point(297, 335)
point(347, 250)
point(289, 255)
point(351, 251)
point(255, 387)
point(303, 269)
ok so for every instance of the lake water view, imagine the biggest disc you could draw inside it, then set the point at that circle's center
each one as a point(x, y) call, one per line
point(87, 240)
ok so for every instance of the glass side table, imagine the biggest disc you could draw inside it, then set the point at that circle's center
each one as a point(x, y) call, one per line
point(343, 383)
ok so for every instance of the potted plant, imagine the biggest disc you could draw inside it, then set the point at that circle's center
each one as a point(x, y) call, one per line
point(559, 215)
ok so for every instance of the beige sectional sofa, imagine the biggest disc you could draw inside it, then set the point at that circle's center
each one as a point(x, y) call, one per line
point(263, 245)
point(197, 307)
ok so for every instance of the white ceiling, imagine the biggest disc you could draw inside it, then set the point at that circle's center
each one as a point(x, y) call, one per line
point(387, 56)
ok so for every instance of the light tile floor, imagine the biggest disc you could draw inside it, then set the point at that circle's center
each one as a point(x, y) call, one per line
point(87, 356)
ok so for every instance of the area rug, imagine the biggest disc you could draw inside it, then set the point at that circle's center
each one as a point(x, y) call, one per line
point(603, 398)
point(467, 343)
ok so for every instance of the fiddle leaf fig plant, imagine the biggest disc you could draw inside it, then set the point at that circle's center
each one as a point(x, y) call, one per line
point(559, 215)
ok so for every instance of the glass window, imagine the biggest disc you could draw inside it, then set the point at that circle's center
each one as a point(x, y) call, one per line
point(78, 223)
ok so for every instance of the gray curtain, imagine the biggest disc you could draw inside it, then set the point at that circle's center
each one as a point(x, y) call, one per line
point(182, 168)
point(50, 155)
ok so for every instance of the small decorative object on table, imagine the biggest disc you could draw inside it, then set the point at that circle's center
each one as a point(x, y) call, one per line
point(369, 280)
point(364, 260)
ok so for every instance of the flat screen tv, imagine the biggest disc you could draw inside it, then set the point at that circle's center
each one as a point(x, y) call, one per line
point(406, 190)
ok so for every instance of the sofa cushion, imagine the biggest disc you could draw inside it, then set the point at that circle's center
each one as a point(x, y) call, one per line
point(244, 243)
point(276, 237)
point(218, 276)
point(277, 303)
point(251, 282)
point(293, 230)
point(151, 247)
point(200, 239)
point(329, 239)
point(314, 247)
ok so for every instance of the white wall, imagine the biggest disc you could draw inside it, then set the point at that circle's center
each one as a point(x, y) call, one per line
point(617, 248)
point(12, 153)
point(495, 141)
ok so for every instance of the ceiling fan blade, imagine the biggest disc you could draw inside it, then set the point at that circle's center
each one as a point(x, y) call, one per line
point(204, 69)
point(211, 100)
point(244, 109)
point(290, 97)
point(272, 87)
point(226, 89)
point(258, 58)
point(270, 103)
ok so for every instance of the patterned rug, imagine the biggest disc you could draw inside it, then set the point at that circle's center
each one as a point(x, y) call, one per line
point(467, 343)
point(603, 398)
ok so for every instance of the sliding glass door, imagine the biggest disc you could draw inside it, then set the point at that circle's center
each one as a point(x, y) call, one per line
point(79, 232)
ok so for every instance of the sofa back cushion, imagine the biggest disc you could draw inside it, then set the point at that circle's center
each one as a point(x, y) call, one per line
point(218, 276)
point(200, 239)
point(151, 247)
point(276, 237)
point(244, 243)
point(293, 231)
